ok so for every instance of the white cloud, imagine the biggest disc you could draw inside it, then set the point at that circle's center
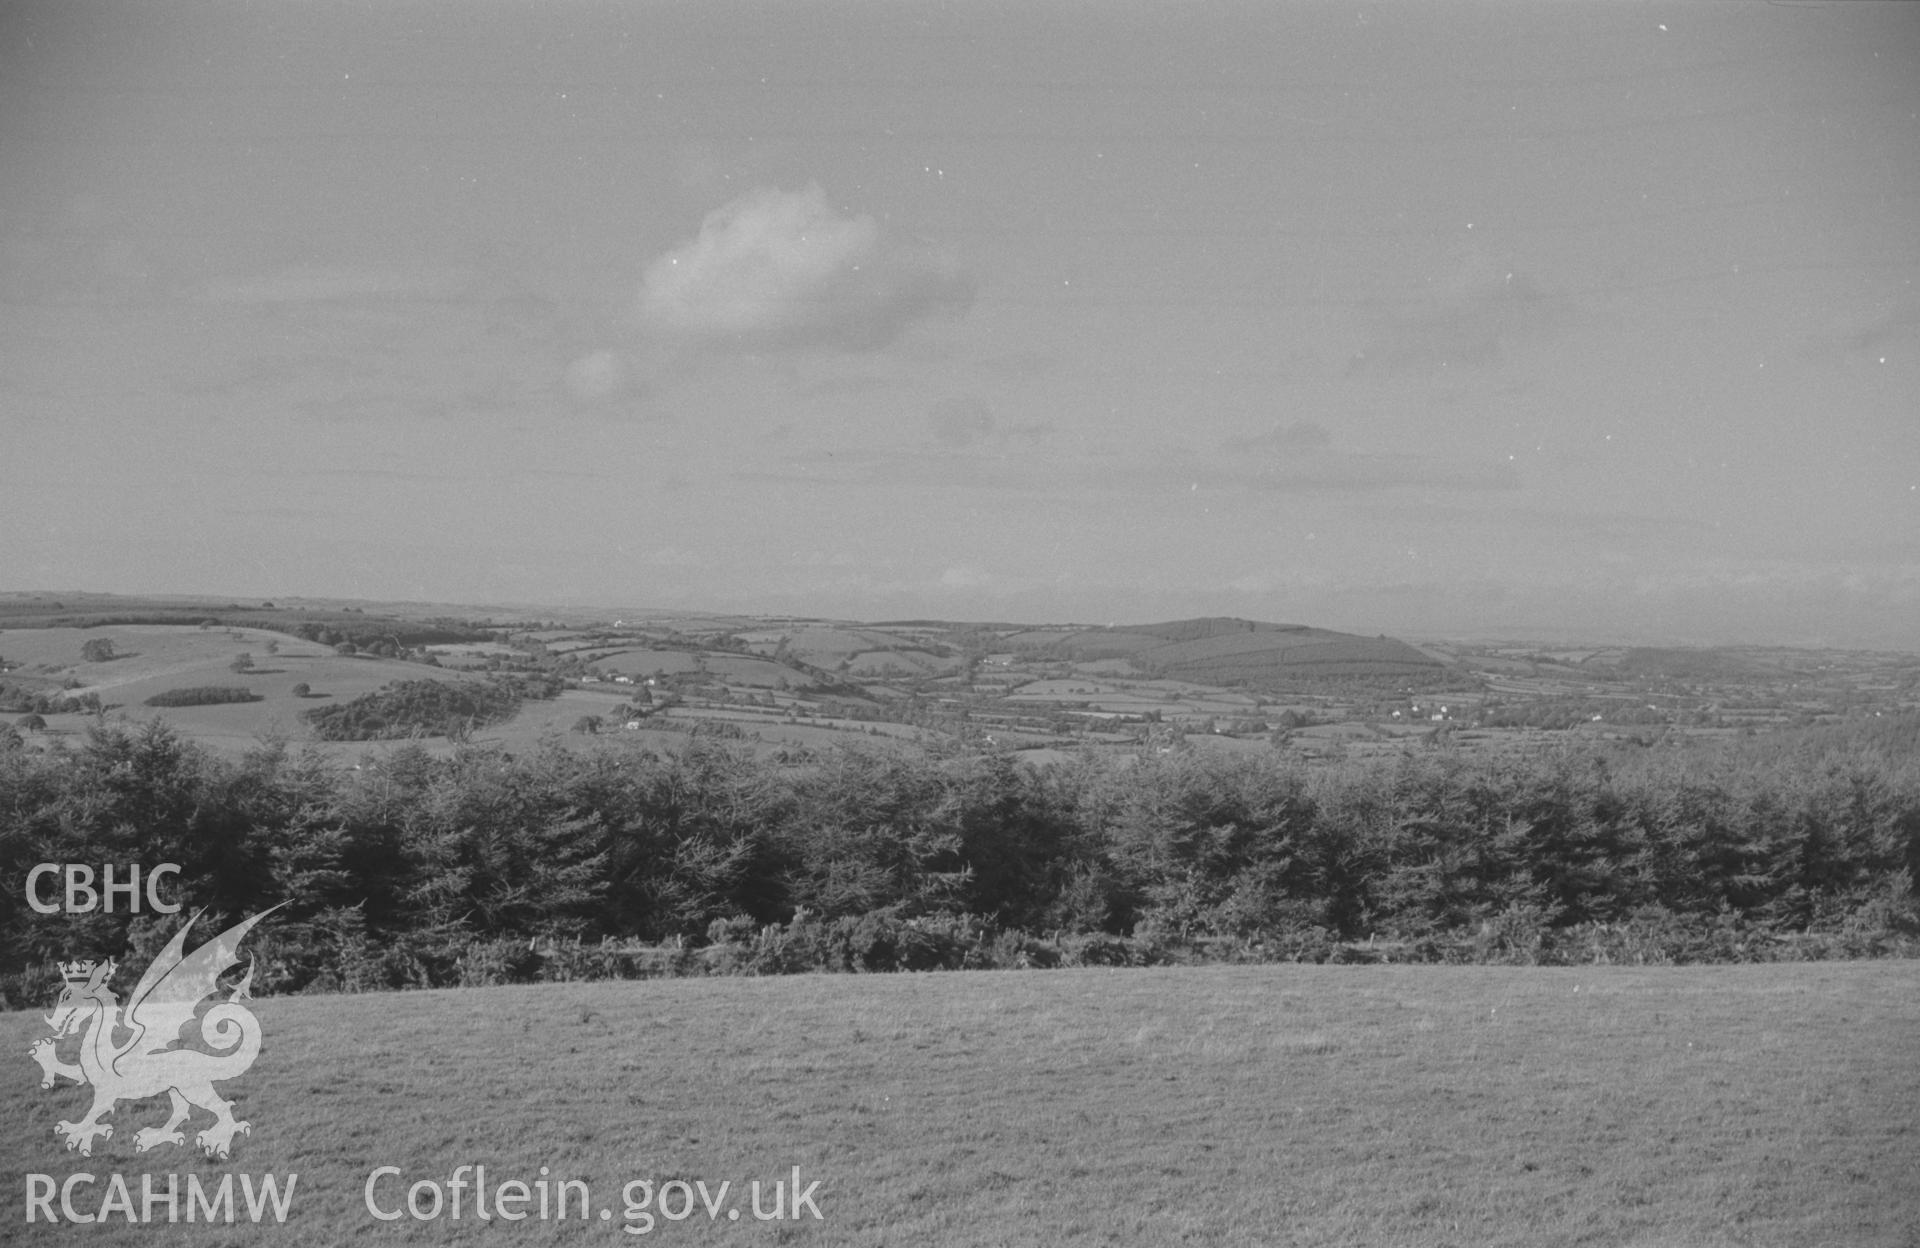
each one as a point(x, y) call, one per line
point(784, 269)
point(595, 377)
point(965, 577)
point(960, 421)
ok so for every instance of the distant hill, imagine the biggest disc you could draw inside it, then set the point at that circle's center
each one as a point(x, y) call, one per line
point(1225, 651)
point(1694, 664)
point(83, 610)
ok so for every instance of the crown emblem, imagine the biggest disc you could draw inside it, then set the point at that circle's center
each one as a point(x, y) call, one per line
point(81, 972)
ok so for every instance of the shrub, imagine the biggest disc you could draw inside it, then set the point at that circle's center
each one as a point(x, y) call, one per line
point(485, 964)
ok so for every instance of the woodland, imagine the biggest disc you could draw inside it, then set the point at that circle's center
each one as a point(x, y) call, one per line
point(412, 870)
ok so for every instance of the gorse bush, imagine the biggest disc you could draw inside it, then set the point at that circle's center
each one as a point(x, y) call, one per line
point(413, 870)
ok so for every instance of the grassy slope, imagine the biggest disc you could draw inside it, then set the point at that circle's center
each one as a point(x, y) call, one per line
point(1771, 1105)
point(162, 657)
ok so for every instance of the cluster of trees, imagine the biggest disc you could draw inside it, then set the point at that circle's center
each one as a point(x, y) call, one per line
point(410, 708)
point(20, 698)
point(411, 868)
point(381, 635)
point(204, 695)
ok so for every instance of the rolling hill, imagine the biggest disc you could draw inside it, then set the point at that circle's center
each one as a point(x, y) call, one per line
point(1234, 652)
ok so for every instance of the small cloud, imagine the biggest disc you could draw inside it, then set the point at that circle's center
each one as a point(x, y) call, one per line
point(1301, 435)
point(778, 269)
point(1469, 320)
point(595, 377)
point(836, 387)
point(1300, 457)
point(355, 474)
point(910, 469)
point(1362, 473)
point(960, 421)
point(553, 474)
point(1894, 331)
point(80, 256)
point(1020, 364)
point(336, 284)
point(965, 576)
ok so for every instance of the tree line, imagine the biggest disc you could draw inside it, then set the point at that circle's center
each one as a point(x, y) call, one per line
point(411, 869)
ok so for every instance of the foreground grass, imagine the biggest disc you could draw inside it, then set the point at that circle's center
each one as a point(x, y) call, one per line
point(1744, 1105)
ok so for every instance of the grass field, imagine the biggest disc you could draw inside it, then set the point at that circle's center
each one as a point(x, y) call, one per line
point(1751, 1105)
point(158, 657)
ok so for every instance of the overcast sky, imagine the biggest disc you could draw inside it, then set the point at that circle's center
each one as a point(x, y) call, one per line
point(1485, 319)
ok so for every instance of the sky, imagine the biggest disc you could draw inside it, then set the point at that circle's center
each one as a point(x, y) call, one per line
point(1582, 320)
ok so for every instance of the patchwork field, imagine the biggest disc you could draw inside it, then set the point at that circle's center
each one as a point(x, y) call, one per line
point(1775, 1105)
point(1304, 691)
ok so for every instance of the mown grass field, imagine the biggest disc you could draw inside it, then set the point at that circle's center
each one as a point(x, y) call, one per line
point(1710, 1106)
